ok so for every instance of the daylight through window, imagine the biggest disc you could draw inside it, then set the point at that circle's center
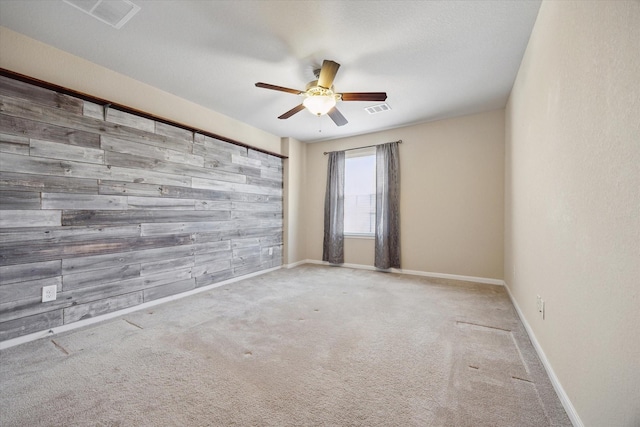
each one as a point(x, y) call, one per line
point(360, 192)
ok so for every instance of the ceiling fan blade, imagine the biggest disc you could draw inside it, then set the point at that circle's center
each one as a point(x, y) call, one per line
point(291, 112)
point(327, 73)
point(280, 88)
point(364, 96)
point(337, 117)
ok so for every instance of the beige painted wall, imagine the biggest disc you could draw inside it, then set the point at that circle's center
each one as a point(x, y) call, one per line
point(294, 190)
point(27, 56)
point(572, 205)
point(452, 174)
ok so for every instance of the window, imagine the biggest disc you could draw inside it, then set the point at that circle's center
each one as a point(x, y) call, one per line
point(360, 192)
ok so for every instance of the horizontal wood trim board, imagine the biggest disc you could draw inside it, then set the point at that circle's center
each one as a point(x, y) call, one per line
point(110, 104)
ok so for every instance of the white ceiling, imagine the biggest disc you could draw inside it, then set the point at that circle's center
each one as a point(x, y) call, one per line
point(435, 59)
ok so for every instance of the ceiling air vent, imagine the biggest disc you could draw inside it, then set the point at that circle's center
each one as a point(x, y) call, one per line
point(379, 108)
point(113, 12)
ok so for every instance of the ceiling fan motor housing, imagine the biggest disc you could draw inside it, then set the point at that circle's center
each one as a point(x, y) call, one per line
point(313, 89)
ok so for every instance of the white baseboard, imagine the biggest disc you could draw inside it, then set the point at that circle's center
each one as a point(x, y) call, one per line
point(295, 264)
point(79, 324)
point(475, 279)
point(562, 395)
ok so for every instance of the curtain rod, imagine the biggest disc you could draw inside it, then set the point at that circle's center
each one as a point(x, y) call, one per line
point(366, 146)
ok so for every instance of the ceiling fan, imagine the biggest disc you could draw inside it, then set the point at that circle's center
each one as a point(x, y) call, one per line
point(320, 97)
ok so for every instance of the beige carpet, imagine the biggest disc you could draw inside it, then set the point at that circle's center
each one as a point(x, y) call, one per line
point(311, 346)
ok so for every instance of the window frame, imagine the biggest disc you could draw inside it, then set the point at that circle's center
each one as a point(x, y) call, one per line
point(361, 152)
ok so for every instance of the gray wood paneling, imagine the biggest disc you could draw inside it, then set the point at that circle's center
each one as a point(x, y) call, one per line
point(38, 165)
point(95, 262)
point(29, 218)
point(209, 279)
point(33, 271)
point(212, 246)
point(159, 203)
point(34, 252)
point(131, 120)
point(16, 309)
point(256, 206)
point(48, 235)
point(252, 242)
point(151, 164)
point(207, 257)
point(241, 270)
point(170, 228)
point(207, 195)
point(210, 184)
point(30, 324)
point(166, 277)
point(210, 267)
point(129, 188)
point(139, 216)
point(19, 200)
point(48, 132)
point(29, 289)
point(54, 150)
point(201, 238)
point(14, 144)
point(158, 292)
point(208, 205)
point(265, 159)
point(173, 131)
point(44, 166)
point(93, 110)
point(103, 306)
point(255, 215)
point(222, 161)
point(18, 89)
point(121, 146)
point(99, 277)
point(83, 201)
point(25, 110)
point(245, 161)
point(265, 182)
point(220, 146)
point(153, 267)
point(19, 181)
point(120, 211)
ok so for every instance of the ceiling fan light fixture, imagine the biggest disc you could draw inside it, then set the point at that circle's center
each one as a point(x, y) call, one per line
point(318, 100)
point(319, 104)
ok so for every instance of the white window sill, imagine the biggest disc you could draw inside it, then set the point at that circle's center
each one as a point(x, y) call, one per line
point(359, 236)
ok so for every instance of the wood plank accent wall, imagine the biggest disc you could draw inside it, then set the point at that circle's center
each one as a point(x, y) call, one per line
point(116, 209)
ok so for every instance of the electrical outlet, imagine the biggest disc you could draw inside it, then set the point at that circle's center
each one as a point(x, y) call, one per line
point(49, 293)
point(270, 251)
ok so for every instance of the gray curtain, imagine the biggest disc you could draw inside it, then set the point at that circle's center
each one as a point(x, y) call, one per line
point(387, 253)
point(333, 246)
